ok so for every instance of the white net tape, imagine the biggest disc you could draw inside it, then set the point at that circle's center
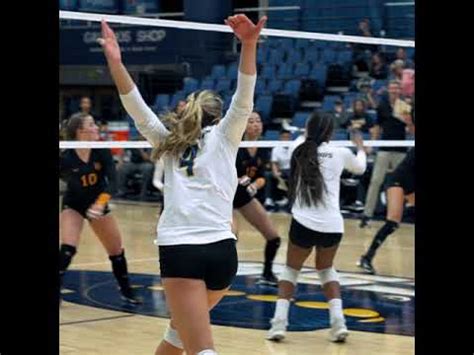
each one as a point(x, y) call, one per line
point(245, 144)
point(130, 20)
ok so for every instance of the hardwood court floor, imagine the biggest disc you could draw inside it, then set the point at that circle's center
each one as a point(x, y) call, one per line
point(90, 330)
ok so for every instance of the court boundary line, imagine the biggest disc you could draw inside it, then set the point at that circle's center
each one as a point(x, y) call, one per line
point(97, 319)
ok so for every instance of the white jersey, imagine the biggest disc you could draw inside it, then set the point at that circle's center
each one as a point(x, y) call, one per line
point(198, 201)
point(282, 156)
point(326, 217)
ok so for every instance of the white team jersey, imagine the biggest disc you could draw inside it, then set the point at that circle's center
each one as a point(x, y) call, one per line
point(282, 156)
point(198, 207)
point(326, 217)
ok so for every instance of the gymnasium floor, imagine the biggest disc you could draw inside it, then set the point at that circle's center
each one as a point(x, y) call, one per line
point(379, 310)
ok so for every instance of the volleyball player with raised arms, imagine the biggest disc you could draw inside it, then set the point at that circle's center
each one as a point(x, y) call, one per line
point(314, 188)
point(198, 257)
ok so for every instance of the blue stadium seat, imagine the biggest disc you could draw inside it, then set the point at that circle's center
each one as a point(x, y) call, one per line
point(177, 96)
point(285, 71)
point(344, 57)
point(268, 72)
point(223, 85)
point(301, 70)
point(271, 135)
point(311, 55)
point(161, 102)
point(286, 44)
point(227, 99)
point(232, 70)
point(329, 101)
point(218, 72)
point(274, 85)
point(292, 87)
point(260, 87)
point(295, 135)
point(276, 56)
point(340, 135)
point(328, 56)
point(262, 55)
point(263, 105)
point(302, 43)
point(190, 85)
point(207, 84)
point(294, 57)
point(319, 73)
point(299, 119)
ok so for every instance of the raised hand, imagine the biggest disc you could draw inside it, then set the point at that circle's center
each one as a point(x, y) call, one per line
point(109, 43)
point(244, 29)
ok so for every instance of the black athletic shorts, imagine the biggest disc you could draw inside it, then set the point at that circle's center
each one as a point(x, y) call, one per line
point(80, 207)
point(242, 197)
point(404, 174)
point(215, 263)
point(307, 238)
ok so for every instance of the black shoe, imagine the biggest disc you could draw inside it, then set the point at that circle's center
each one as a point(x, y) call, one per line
point(129, 297)
point(364, 221)
point(268, 279)
point(366, 264)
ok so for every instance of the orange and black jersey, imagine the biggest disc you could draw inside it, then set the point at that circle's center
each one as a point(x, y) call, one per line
point(252, 166)
point(87, 180)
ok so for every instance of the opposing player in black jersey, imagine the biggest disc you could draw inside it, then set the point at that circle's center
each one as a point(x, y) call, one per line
point(401, 185)
point(251, 174)
point(91, 182)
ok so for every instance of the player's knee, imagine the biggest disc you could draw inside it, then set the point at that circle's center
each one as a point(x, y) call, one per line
point(290, 275)
point(328, 275)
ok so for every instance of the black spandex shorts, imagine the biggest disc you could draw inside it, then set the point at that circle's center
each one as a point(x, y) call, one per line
point(404, 174)
point(215, 263)
point(307, 238)
point(80, 207)
point(241, 197)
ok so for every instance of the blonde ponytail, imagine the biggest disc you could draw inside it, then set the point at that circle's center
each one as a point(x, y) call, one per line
point(202, 109)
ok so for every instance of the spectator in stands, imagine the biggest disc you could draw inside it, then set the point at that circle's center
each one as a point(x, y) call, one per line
point(359, 120)
point(393, 116)
point(402, 55)
point(276, 188)
point(85, 106)
point(366, 94)
point(339, 114)
point(406, 77)
point(396, 70)
point(408, 84)
point(131, 162)
point(180, 106)
point(363, 51)
point(378, 67)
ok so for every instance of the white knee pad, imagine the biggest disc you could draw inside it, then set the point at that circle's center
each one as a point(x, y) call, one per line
point(289, 274)
point(328, 275)
point(171, 336)
point(207, 352)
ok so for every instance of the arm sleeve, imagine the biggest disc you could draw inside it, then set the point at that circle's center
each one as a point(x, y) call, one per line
point(356, 164)
point(234, 122)
point(145, 119)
